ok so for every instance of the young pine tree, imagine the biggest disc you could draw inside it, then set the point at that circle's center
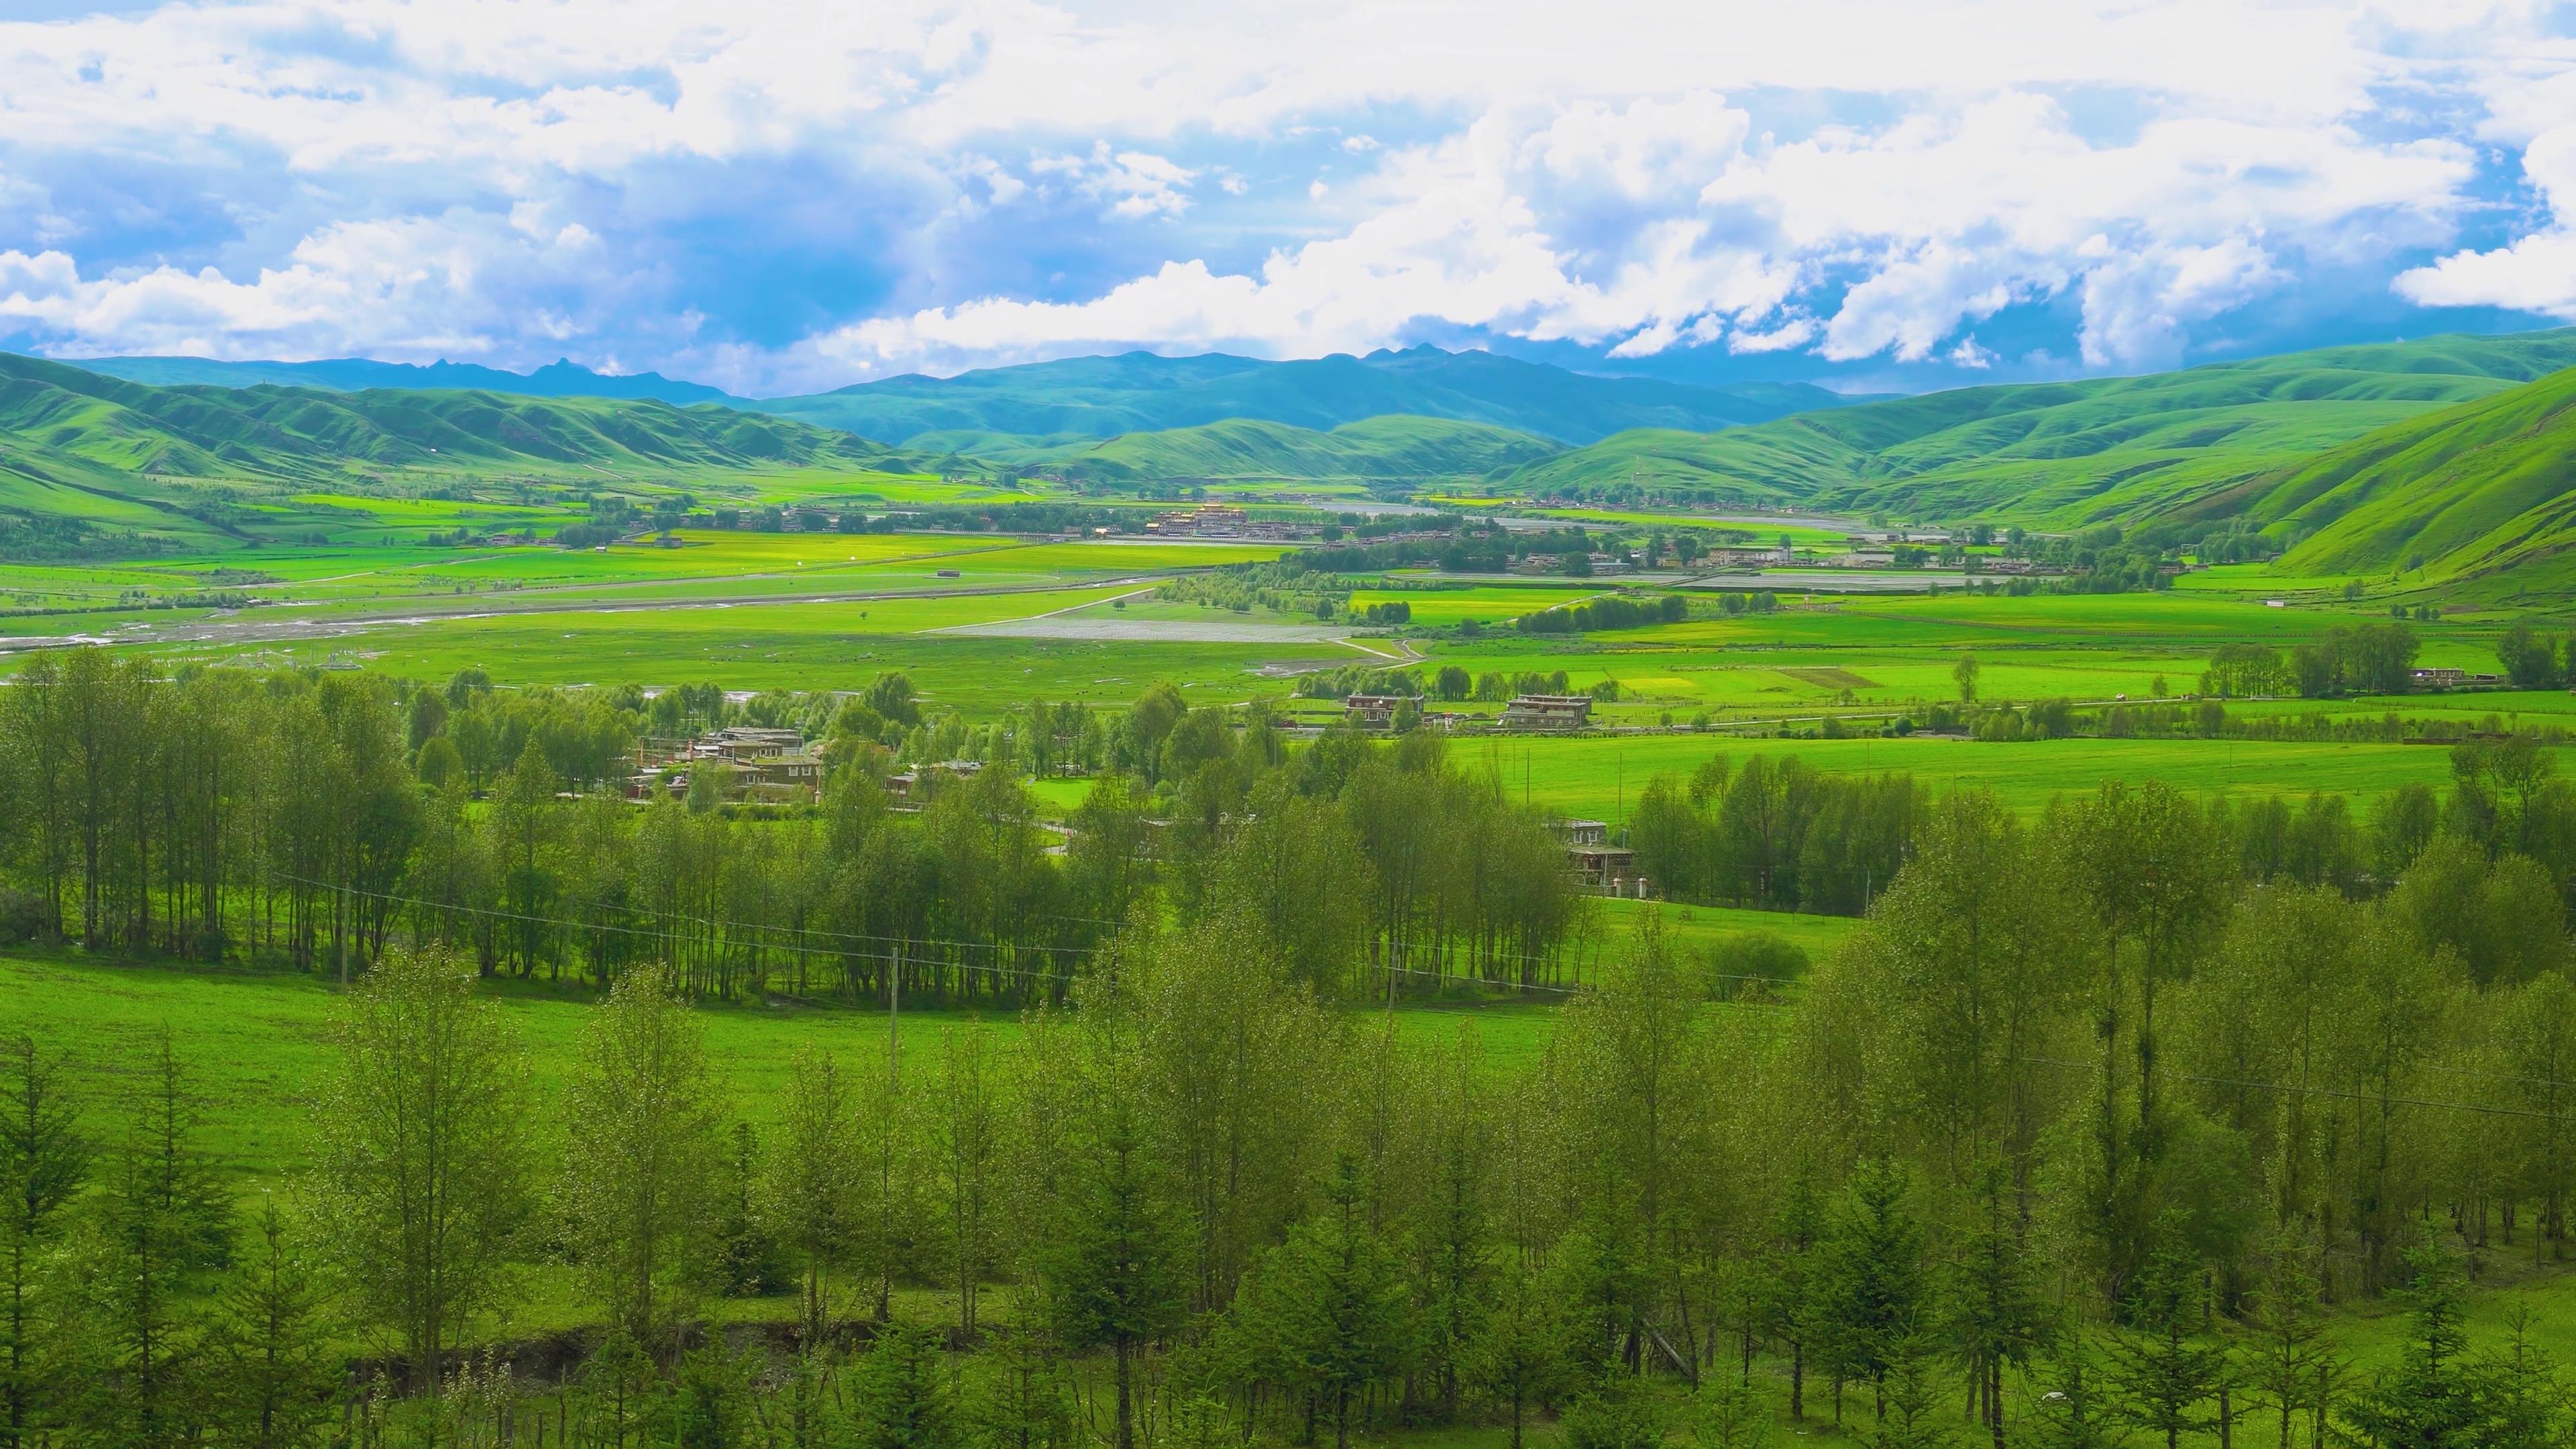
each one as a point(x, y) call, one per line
point(1333, 1302)
point(902, 1400)
point(1996, 1316)
point(159, 1228)
point(44, 1161)
point(273, 1373)
point(2289, 1358)
point(1732, 1413)
point(2433, 1397)
point(2527, 1406)
point(1020, 1396)
point(2162, 1366)
point(2073, 1412)
point(1115, 1271)
point(1788, 1265)
point(1520, 1356)
point(1912, 1417)
point(747, 1258)
point(1870, 1288)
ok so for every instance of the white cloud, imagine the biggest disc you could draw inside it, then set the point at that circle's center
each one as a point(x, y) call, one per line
point(412, 289)
point(2533, 273)
point(1667, 222)
point(1131, 185)
point(500, 177)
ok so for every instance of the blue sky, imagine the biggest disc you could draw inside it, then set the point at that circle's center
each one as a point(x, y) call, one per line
point(786, 198)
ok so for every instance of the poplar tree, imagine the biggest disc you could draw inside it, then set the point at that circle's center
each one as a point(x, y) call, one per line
point(966, 1124)
point(639, 1157)
point(810, 1190)
point(421, 1180)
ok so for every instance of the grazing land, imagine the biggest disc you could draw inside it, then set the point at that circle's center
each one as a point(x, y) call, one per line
point(1480, 910)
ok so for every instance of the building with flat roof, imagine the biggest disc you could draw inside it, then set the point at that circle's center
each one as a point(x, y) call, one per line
point(1547, 712)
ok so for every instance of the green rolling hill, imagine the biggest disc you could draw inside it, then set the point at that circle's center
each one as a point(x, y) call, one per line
point(1007, 409)
point(80, 447)
point(2063, 455)
point(1240, 449)
point(2479, 497)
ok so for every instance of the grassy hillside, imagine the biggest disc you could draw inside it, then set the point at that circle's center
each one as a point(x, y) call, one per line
point(285, 432)
point(1374, 448)
point(2068, 454)
point(1100, 397)
point(78, 448)
point(2484, 493)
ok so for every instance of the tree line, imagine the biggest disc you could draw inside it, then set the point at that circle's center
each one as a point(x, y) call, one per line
point(316, 819)
point(2083, 1134)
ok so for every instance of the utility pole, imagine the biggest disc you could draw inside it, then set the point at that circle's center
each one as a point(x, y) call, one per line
point(894, 1021)
point(347, 908)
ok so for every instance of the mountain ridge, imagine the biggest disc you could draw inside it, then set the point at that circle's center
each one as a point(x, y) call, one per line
point(560, 378)
point(2069, 454)
point(1004, 408)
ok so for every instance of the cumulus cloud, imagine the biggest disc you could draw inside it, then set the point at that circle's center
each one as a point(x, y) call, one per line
point(943, 183)
point(416, 288)
point(2533, 273)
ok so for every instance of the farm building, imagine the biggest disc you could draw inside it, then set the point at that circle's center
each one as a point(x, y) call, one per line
point(1372, 711)
point(1547, 712)
point(910, 785)
point(765, 765)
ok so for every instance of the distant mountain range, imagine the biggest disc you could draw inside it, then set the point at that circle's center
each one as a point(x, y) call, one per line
point(1101, 397)
point(356, 374)
point(1390, 448)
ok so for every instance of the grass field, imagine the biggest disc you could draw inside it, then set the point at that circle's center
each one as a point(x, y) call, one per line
point(256, 1047)
point(1600, 777)
point(257, 1043)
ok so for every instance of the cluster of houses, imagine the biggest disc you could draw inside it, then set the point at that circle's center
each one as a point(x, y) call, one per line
point(1603, 564)
point(1218, 520)
point(763, 766)
point(2446, 678)
point(1527, 714)
point(773, 766)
